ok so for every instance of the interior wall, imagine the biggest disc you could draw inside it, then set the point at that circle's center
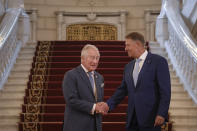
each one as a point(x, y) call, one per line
point(46, 24)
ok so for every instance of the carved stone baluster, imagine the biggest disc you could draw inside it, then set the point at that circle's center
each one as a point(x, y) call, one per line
point(181, 57)
point(191, 69)
point(187, 66)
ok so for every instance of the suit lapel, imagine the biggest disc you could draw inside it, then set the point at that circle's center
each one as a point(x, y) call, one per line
point(144, 67)
point(131, 73)
point(85, 78)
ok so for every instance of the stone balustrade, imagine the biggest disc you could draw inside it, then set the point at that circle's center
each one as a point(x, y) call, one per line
point(173, 34)
point(13, 35)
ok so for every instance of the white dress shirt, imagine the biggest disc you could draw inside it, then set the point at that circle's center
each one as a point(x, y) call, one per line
point(142, 57)
point(94, 106)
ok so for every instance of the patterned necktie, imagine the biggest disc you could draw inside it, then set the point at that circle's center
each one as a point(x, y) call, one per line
point(91, 79)
point(136, 71)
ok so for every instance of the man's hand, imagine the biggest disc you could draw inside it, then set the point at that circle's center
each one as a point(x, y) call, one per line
point(159, 120)
point(101, 107)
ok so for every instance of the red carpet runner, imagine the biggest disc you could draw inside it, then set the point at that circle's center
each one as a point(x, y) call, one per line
point(43, 107)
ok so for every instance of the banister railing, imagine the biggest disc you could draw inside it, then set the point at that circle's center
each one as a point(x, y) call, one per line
point(9, 42)
point(179, 44)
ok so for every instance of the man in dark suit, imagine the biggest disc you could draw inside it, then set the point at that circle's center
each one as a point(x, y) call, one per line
point(146, 82)
point(83, 90)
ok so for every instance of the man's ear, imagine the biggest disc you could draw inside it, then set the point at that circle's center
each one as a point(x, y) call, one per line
point(139, 43)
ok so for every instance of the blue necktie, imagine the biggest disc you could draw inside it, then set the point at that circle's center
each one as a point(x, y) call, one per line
point(136, 71)
point(91, 79)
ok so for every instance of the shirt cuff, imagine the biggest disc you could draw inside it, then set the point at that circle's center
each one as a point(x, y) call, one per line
point(93, 109)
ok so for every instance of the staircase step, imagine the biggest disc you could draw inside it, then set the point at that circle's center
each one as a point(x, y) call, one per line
point(9, 126)
point(175, 82)
point(9, 119)
point(171, 70)
point(172, 73)
point(10, 110)
point(25, 57)
point(181, 101)
point(9, 87)
point(183, 110)
point(18, 82)
point(184, 106)
point(27, 52)
point(184, 127)
point(15, 72)
point(175, 79)
point(24, 61)
point(184, 118)
point(10, 101)
point(155, 49)
point(22, 67)
point(30, 46)
point(19, 70)
point(12, 94)
point(176, 85)
point(19, 74)
point(177, 94)
point(154, 44)
point(177, 89)
point(18, 79)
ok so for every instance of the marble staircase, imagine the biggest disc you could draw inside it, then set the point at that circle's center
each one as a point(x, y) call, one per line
point(11, 97)
point(183, 111)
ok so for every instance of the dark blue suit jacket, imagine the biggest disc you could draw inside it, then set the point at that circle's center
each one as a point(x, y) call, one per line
point(79, 99)
point(152, 94)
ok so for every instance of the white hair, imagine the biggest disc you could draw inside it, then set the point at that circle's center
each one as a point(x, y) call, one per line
point(86, 48)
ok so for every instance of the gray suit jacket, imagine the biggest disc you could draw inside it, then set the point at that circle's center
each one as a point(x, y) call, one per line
point(79, 98)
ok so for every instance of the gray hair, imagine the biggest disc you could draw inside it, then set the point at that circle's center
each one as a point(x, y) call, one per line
point(86, 48)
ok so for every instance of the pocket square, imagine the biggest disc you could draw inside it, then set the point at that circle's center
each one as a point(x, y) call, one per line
point(102, 85)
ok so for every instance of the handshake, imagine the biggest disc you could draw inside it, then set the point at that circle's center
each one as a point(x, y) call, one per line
point(102, 108)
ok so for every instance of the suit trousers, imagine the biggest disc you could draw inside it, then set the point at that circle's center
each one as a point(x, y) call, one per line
point(135, 127)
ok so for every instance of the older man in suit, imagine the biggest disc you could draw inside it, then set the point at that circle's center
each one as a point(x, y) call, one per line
point(83, 90)
point(146, 82)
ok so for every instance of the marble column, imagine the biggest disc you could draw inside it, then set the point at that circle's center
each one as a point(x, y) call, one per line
point(152, 31)
point(147, 25)
point(24, 28)
point(59, 24)
point(123, 24)
point(34, 25)
point(150, 22)
point(162, 30)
